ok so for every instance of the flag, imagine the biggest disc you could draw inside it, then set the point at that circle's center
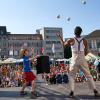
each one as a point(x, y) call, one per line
point(42, 50)
point(11, 52)
point(25, 45)
point(53, 48)
point(32, 50)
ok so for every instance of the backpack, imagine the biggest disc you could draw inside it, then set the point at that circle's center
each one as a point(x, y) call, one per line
point(67, 52)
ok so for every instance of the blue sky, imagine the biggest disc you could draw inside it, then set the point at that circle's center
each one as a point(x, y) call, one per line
point(25, 16)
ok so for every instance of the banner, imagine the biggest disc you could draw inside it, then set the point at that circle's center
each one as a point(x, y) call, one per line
point(53, 48)
point(11, 52)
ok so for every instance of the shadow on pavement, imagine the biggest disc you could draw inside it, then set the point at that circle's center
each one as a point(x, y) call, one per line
point(52, 94)
point(48, 93)
point(44, 92)
point(88, 97)
point(11, 94)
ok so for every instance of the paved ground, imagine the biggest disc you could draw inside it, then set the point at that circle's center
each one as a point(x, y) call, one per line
point(51, 92)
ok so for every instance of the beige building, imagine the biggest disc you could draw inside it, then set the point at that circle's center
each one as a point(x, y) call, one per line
point(10, 44)
point(94, 42)
point(51, 43)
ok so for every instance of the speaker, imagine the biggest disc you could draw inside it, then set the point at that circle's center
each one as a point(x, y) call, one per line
point(43, 65)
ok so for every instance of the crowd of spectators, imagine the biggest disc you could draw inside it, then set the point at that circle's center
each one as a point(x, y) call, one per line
point(58, 72)
point(10, 75)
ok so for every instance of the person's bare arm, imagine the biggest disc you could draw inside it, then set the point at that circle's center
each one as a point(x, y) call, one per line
point(65, 43)
point(61, 39)
point(69, 42)
point(86, 46)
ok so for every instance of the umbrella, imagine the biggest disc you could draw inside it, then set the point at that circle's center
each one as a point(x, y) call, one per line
point(0, 61)
point(9, 60)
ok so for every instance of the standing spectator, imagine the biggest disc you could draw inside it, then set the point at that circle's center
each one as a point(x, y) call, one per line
point(98, 70)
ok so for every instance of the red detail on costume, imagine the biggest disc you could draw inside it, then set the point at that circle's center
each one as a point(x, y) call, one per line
point(29, 76)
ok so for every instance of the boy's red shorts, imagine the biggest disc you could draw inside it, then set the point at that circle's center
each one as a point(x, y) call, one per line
point(29, 76)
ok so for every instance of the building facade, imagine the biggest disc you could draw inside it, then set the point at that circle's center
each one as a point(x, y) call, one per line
point(44, 41)
point(10, 44)
point(51, 43)
point(94, 42)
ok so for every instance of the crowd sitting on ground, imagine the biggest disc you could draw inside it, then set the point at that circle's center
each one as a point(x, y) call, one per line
point(57, 72)
point(12, 75)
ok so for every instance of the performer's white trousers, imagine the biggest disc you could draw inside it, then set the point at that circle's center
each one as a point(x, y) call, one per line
point(79, 62)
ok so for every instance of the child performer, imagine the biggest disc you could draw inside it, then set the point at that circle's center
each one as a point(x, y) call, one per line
point(28, 75)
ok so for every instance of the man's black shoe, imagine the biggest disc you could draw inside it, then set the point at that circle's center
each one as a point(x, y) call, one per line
point(71, 94)
point(96, 94)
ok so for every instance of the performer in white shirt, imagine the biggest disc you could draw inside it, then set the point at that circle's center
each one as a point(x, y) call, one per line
point(79, 49)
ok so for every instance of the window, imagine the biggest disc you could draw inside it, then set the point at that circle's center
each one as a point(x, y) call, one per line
point(48, 42)
point(61, 53)
point(90, 45)
point(1, 32)
point(48, 48)
point(98, 54)
point(49, 53)
point(47, 31)
point(58, 42)
point(52, 31)
point(47, 37)
point(54, 42)
point(58, 48)
point(98, 44)
point(37, 44)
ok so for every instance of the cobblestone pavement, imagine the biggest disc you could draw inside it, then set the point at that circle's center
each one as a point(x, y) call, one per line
point(51, 92)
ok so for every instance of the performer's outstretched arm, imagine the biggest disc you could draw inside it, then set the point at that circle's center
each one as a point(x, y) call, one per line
point(61, 39)
point(65, 43)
